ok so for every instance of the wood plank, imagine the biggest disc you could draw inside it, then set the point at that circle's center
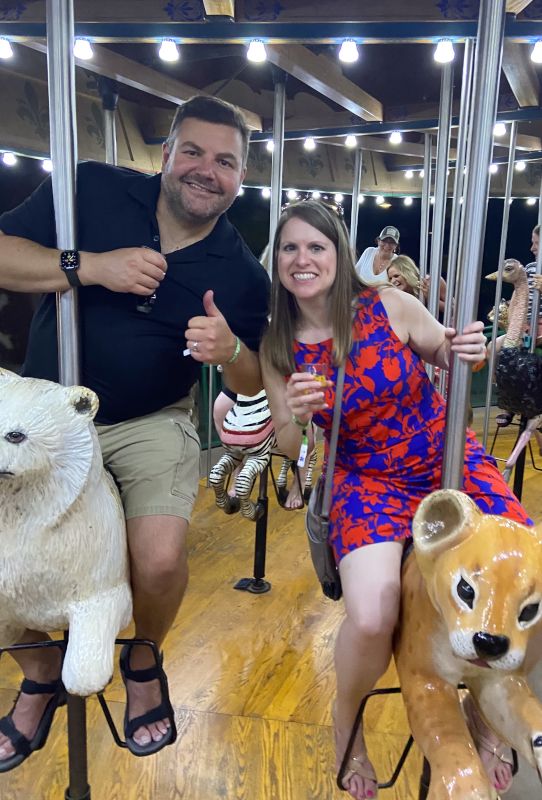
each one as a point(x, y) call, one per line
point(517, 6)
point(323, 75)
point(124, 70)
point(219, 8)
point(520, 73)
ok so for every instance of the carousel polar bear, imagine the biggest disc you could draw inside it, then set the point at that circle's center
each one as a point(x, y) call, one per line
point(63, 551)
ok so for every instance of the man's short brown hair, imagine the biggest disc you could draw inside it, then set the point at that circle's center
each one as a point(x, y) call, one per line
point(211, 109)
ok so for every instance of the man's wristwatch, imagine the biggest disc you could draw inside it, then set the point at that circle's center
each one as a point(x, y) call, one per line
point(69, 264)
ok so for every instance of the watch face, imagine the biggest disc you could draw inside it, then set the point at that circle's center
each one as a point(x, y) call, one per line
point(69, 259)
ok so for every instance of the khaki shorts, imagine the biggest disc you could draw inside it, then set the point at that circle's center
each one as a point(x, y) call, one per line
point(155, 461)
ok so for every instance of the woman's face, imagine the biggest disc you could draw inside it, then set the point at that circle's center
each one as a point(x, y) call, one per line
point(396, 279)
point(307, 260)
point(386, 247)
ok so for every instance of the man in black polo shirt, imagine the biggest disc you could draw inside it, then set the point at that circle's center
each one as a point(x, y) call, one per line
point(166, 283)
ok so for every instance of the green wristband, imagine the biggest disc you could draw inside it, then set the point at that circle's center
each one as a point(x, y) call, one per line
point(236, 352)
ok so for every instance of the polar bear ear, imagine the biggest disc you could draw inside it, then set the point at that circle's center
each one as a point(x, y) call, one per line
point(8, 377)
point(84, 401)
point(443, 520)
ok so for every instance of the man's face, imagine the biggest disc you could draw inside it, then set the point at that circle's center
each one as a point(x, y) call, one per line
point(203, 170)
point(534, 244)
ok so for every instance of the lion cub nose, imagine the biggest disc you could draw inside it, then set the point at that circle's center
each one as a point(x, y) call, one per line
point(489, 646)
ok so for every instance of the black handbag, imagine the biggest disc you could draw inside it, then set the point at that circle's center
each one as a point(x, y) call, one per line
point(317, 516)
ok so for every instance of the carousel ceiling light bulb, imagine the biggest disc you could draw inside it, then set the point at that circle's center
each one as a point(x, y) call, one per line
point(531, 201)
point(349, 51)
point(256, 51)
point(380, 200)
point(270, 145)
point(432, 201)
point(316, 195)
point(309, 143)
point(9, 159)
point(499, 129)
point(536, 52)
point(47, 165)
point(422, 173)
point(520, 166)
point(350, 141)
point(494, 168)
point(82, 49)
point(409, 174)
point(396, 137)
point(6, 50)
point(266, 193)
point(444, 51)
point(407, 201)
point(291, 194)
point(168, 50)
point(338, 198)
point(361, 198)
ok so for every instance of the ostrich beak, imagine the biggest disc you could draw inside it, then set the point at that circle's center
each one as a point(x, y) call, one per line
point(492, 276)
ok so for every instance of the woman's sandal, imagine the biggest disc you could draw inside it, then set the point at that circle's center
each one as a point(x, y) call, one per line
point(499, 752)
point(503, 419)
point(162, 711)
point(354, 766)
point(25, 747)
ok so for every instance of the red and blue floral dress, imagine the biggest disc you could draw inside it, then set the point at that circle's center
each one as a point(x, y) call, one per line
point(391, 439)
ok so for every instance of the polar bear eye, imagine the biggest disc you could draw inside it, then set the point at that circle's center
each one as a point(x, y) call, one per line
point(529, 612)
point(465, 592)
point(15, 437)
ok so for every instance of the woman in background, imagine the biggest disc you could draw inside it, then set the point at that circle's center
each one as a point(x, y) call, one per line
point(374, 261)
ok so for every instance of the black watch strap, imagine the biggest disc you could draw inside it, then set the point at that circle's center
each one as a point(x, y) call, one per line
point(69, 264)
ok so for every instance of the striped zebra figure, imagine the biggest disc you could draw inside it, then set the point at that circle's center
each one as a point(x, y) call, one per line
point(248, 436)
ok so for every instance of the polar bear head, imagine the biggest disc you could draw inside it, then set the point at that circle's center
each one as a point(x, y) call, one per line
point(47, 441)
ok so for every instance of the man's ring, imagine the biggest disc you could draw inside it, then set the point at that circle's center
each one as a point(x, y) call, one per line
point(195, 347)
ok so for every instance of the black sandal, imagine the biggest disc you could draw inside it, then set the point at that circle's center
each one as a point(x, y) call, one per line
point(504, 419)
point(25, 747)
point(162, 711)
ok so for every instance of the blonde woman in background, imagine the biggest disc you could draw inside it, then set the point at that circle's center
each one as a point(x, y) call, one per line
point(405, 275)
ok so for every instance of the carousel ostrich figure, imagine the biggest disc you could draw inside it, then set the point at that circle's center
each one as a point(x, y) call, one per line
point(518, 373)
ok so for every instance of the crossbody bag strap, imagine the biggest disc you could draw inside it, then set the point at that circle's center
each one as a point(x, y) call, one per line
point(332, 452)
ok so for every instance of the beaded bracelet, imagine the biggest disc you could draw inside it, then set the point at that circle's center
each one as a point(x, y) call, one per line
point(236, 352)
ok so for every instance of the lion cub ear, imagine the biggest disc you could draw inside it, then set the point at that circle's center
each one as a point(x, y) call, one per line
point(443, 520)
point(83, 401)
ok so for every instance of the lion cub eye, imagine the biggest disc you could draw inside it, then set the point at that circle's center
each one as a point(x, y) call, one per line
point(529, 612)
point(15, 437)
point(465, 592)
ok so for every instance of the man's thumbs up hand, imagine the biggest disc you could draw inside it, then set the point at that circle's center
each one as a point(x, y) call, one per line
point(209, 338)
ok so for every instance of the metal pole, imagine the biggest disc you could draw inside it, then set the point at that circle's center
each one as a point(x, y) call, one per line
point(459, 178)
point(279, 106)
point(498, 288)
point(426, 204)
point(61, 76)
point(356, 186)
point(62, 116)
point(210, 420)
point(484, 106)
point(536, 294)
point(109, 92)
point(441, 184)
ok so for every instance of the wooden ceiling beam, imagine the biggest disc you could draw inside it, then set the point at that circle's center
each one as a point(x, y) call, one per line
point(520, 74)
point(325, 77)
point(124, 70)
point(517, 6)
point(219, 8)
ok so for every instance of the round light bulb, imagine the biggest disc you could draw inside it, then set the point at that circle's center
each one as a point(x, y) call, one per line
point(9, 159)
point(444, 52)
point(82, 49)
point(350, 141)
point(348, 51)
point(316, 195)
point(256, 51)
point(309, 143)
point(396, 137)
point(6, 50)
point(499, 129)
point(520, 166)
point(266, 193)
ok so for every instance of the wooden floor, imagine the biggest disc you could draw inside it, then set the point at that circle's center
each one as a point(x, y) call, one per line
point(251, 679)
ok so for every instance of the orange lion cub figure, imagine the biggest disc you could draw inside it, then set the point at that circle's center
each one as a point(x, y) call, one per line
point(472, 601)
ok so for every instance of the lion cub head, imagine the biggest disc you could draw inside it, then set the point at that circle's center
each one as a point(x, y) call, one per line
point(483, 574)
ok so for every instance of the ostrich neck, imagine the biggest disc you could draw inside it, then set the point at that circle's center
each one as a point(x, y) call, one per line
point(517, 314)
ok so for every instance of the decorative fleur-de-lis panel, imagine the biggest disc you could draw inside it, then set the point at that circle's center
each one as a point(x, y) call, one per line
point(11, 11)
point(33, 111)
point(263, 10)
point(185, 11)
point(259, 160)
point(459, 9)
point(311, 164)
